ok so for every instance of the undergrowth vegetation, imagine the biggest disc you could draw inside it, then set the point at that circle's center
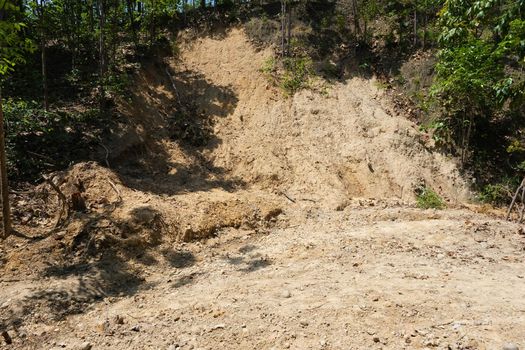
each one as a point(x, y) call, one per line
point(77, 61)
point(427, 198)
point(290, 74)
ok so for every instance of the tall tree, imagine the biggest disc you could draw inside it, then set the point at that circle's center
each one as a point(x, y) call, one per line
point(12, 49)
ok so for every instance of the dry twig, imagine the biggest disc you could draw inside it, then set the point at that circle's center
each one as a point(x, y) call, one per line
point(61, 196)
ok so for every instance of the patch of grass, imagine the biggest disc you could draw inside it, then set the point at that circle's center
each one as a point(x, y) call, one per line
point(291, 74)
point(297, 73)
point(499, 193)
point(427, 198)
point(269, 66)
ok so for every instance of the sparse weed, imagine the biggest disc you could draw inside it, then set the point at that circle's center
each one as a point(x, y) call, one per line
point(427, 198)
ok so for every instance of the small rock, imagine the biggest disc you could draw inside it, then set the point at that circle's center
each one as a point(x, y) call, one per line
point(118, 319)
point(60, 235)
point(286, 294)
point(85, 346)
point(103, 327)
point(136, 328)
point(510, 346)
point(7, 337)
point(376, 339)
point(303, 323)
point(218, 326)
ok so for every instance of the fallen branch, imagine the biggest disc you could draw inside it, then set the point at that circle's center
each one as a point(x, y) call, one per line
point(514, 197)
point(61, 196)
point(114, 187)
point(288, 197)
point(174, 86)
point(107, 153)
point(40, 156)
point(309, 200)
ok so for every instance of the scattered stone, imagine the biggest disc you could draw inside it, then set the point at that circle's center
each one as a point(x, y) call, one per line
point(85, 346)
point(136, 328)
point(286, 294)
point(510, 346)
point(103, 327)
point(376, 339)
point(218, 326)
point(456, 325)
point(60, 235)
point(303, 323)
point(118, 319)
point(7, 338)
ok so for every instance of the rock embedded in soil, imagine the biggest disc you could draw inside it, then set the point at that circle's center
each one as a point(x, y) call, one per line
point(510, 346)
point(286, 294)
point(85, 346)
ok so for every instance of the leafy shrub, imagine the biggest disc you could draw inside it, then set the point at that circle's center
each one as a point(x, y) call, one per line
point(291, 74)
point(495, 194)
point(39, 140)
point(427, 198)
point(297, 71)
point(269, 66)
point(499, 193)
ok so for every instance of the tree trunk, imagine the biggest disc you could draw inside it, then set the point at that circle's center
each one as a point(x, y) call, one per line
point(283, 27)
point(289, 31)
point(424, 39)
point(355, 10)
point(102, 51)
point(153, 24)
point(415, 24)
point(44, 75)
point(40, 10)
point(6, 211)
point(91, 19)
point(131, 9)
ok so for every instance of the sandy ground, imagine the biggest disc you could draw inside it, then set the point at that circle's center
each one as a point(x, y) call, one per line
point(376, 277)
point(294, 227)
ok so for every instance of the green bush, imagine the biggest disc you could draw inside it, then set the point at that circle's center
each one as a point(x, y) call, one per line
point(297, 72)
point(427, 198)
point(39, 140)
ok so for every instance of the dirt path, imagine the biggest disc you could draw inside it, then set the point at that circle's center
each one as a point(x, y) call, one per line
point(367, 277)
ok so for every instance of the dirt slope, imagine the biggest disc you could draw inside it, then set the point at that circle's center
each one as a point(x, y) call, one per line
point(292, 226)
point(326, 148)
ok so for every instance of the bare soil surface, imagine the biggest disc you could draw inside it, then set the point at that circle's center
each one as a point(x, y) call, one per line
point(290, 224)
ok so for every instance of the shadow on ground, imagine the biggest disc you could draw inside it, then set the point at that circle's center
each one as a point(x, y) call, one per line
point(173, 114)
point(248, 260)
point(99, 261)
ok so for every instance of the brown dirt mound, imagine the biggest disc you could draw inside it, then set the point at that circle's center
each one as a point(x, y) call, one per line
point(328, 147)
